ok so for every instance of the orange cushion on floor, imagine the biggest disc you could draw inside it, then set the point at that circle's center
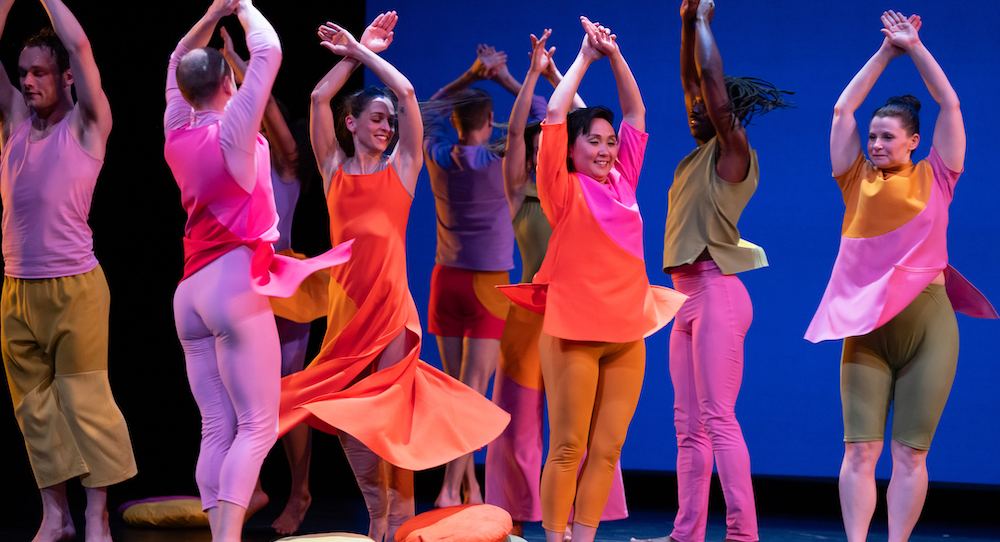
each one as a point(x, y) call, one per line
point(465, 523)
point(328, 537)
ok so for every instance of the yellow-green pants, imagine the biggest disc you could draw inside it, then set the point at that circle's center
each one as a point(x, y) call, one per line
point(54, 335)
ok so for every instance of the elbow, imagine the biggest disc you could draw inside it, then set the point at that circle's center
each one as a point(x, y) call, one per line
point(319, 96)
point(78, 46)
point(405, 92)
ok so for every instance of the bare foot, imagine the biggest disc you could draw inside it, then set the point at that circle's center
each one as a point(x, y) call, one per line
point(448, 497)
point(55, 529)
point(295, 511)
point(97, 528)
point(258, 500)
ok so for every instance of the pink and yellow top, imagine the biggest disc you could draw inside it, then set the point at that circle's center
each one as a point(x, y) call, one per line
point(46, 188)
point(222, 166)
point(893, 244)
point(592, 285)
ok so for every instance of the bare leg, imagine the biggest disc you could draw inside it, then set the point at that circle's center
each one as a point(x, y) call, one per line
point(401, 502)
point(298, 449)
point(476, 362)
point(583, 533)
point(228, 523)
point(258, 500)
point(56, 521)
point(857, 487)
point(907, 490)
point(369, 474)
point(96, 515)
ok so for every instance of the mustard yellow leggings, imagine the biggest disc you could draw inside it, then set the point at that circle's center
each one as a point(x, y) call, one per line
point(592, 389)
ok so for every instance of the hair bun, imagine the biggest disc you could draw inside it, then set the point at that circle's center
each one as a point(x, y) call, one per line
point(908, 100)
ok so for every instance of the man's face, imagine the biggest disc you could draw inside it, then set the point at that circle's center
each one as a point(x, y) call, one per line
point(40, 78)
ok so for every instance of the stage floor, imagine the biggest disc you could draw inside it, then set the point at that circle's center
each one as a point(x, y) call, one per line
point(348, 515)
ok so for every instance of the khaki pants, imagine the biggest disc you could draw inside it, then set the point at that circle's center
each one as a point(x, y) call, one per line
point(54, 335)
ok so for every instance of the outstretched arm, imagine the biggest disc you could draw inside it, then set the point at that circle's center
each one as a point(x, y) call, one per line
point(278, 134)
point(407, 158)
point(488, 64)
point(322, 127)
point(734, 150)
point(515, 173)
point(629, 97)
point(12, 107)
point(563, 95)
point(92, 121)
point(949, 130)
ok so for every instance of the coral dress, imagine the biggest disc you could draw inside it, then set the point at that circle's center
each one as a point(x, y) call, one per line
point(410, 414)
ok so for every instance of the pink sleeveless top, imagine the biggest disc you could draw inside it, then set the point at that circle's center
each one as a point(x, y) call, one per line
point(46, 188)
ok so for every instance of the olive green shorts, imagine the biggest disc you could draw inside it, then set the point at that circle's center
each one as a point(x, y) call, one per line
point(910, 363)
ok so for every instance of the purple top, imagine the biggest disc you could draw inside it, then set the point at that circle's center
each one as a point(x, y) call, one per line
point(473, 218)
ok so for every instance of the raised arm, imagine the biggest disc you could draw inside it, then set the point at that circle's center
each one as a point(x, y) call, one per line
point(629, 97)
point(200, 34)
point(322, 127)
point(949, 130)
point(554, 76)
point(734, 150)
point(92, 118)
point(515, 172)
point(279, 135)
point(689, 70)
point(407, 158)
point(12, 107)
point(487, 65)
point(564, 93)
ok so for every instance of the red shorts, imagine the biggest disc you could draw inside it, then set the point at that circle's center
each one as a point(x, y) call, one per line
point(466, 303)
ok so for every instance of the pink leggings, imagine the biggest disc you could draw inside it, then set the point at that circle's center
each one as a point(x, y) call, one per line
point(706, 368)
point(233, 365)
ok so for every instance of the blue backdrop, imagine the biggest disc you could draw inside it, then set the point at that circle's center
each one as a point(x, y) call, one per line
point(789, 405)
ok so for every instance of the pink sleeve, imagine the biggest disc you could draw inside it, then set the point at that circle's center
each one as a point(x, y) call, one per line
point(946, 177)
point(631, 151)
point(245, 111)
point(178, 112)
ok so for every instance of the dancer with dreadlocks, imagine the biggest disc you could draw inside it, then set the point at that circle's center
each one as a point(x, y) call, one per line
point(892, 296)
point(702, 253)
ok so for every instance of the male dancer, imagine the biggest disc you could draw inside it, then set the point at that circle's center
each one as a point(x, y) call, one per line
point(55, 300)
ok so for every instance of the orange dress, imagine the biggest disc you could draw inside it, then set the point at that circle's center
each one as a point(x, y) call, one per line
point(411, 414)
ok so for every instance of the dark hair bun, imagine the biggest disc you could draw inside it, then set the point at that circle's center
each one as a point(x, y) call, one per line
point(908, 100)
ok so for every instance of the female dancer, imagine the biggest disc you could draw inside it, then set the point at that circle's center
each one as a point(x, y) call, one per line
point(703, 252)
point(367, 382)
point(223, 319)
point(892, 295)
point(514, 459)
point(293, 336)
point(596, 316)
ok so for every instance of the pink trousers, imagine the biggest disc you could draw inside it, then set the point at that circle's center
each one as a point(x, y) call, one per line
point(234, 368)
point(706, 368)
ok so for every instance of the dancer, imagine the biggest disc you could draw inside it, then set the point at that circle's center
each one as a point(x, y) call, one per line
point(702, 253)
point(892, 294)
point(393, 412)
point(475, 241)
point(514, 459)
point(596, 314)
point(224, 321)
point(293, 336)
point(55, 301)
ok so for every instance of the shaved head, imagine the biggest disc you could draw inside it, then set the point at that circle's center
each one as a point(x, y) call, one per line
point(200, 74)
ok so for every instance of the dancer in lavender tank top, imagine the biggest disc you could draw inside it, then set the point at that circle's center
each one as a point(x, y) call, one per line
point(55, 302)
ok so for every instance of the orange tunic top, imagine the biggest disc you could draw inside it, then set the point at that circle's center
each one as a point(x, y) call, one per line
point(410, 414)
point(592, 285)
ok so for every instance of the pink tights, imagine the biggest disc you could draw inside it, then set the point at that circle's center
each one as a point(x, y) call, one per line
point(706, 368)
point(233, 365)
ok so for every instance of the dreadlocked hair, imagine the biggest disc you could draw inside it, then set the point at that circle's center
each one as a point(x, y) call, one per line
point(750, 96)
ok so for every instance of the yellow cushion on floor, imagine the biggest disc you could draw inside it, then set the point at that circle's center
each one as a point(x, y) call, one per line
point(465, 523)
point(165, 512)
point(327, 537)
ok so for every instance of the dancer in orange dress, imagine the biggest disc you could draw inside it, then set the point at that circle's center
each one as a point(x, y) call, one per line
point(393, 412)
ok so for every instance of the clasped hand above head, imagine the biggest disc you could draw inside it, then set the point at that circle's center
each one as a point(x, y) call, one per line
point(599, 41)
point(901, 32)
point(489, 62)
point(376, 37)
point(691, 10)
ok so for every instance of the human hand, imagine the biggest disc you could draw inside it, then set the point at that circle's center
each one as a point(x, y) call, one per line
point(689, 10)
point(706, 10)
point(337, 40)
point(901, 32)
point(221, 8)
point(378, 35)
point(541, 59)
point(600, 37)
point(489, 62)
point(228, 50)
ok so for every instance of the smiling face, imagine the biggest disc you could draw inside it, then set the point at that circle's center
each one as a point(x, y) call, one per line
point(373, 128)
point(594, 151)
point(42, 84)
point(889, 145)
point(701, 126)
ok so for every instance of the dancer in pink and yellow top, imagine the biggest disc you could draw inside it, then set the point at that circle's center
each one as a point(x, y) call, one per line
point(55, 303)
point(892, 295)
point(224, 320)
point(592, 288)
